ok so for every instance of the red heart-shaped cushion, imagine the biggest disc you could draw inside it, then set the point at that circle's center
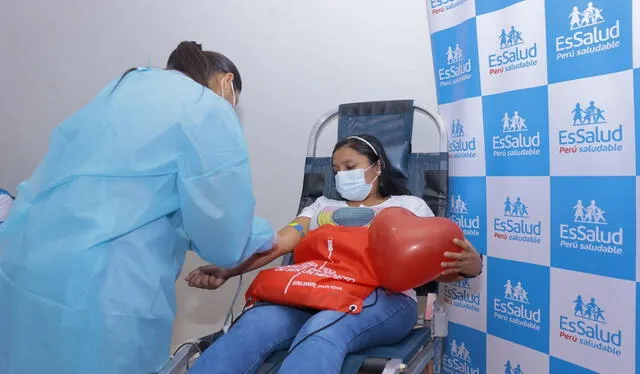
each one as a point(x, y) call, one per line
point(406, 250)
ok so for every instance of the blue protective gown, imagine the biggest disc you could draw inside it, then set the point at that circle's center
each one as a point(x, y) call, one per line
point(90, 253)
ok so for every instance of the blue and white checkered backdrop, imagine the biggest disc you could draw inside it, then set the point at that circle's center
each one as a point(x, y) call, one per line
point(540, 99)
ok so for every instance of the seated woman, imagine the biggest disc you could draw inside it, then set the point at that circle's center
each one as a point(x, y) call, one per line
point(320, 344)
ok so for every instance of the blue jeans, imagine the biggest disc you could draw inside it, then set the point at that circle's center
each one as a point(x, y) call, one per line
point(264, 329)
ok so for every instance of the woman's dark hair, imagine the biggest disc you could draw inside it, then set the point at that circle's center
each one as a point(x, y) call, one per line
point(219, 63)
point(199, 65)
point(387, 185)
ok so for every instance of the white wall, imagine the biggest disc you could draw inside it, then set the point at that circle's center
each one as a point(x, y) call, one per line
point(297, 60)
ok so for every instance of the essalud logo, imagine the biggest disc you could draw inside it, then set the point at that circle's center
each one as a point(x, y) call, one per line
point(459, 213)
point(515, 307)
point(515, 140)
point(458, 360)
point(461, 295)
point(587, 33)
point(589, 231)
point(441, 6)
point(587, 326)
point(515, 223)
point(509, 369)
point(459, 145)
point(586, 135)
point(458, 68)
point(513, 54)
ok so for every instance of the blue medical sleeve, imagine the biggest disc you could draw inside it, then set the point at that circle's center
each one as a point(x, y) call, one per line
point(215, 188)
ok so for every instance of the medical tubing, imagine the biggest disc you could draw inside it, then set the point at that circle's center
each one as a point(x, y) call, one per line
point(226, 320)
point(233, 302)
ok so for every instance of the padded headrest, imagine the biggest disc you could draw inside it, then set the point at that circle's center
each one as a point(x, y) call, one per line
point(389, 121)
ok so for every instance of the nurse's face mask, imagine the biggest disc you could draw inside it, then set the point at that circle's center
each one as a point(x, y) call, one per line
point(226, 88)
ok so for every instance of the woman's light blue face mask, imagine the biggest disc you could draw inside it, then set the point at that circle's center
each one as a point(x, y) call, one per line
point(352, 185)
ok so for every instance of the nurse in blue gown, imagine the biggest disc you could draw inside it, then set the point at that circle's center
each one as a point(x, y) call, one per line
point(155, 165)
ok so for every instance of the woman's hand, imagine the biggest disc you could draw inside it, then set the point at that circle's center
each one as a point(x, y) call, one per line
point(468, 262)
point(208, 277)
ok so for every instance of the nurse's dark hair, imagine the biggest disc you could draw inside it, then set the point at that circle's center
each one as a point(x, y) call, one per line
point(199, 65)
point(387, 184)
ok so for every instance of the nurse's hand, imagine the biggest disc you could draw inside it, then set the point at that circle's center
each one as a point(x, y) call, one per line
point(208, 277)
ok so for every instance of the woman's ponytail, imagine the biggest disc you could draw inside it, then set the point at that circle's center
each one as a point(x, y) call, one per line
point(189, 59)
point(199, 65)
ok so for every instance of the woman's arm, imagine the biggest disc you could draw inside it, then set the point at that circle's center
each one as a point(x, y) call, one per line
point(288, 239)
point(212, 277)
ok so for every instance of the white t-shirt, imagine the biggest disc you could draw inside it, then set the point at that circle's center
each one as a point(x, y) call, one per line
point(335, 212)
point(5, 206)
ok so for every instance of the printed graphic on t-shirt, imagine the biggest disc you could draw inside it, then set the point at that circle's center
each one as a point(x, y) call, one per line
point(347, 216)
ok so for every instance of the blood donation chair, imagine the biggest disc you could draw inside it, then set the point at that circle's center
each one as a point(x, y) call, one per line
point(425, 174)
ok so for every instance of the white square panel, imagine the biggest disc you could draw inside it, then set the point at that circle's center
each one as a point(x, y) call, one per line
point(592, 321)
point(518, 219)
point(512, 48)
point(504, 356)
point(591, 126)
point(465, 136)
point(466, 301)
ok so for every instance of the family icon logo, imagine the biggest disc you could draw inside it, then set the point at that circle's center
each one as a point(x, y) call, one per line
point(589, 231)
point(515, 139)
point(458, 205)
point(457, 130)
point(516, 225)
point(509, 369)
point(588, 17)
point(459, 213)
point(443, 6)
point(454, 56)
point(517, 293)
point(590, 33)
point(512, 39)
point(461, 295)
point(515, 209)
point(515, 307)
point(512, 53)
point(591, 214)
point(591, 311)
point(459, 145)
point(460, 351)
point(458, 67)
point(513, 124)
point(587, 134)
point(458, 360)
point(591, 115)
point(586, 325)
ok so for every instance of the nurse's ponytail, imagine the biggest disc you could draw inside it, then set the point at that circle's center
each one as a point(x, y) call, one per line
point(189, 59)
point(199, 65)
